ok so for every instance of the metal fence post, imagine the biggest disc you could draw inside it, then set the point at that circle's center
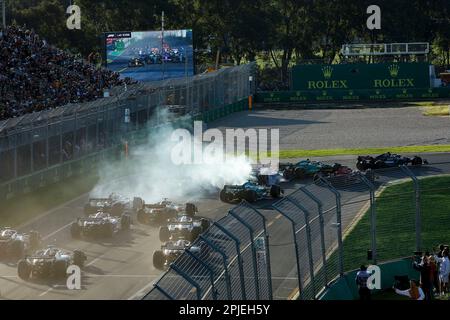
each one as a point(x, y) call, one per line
point(211, 271)
point(239, 257)
point(225, 263)
point(188, 278)
point(322, 230)
point(252, 244)
point(164, 292)
point(297, 258)
point(309, 242)
point(373, 216)
point(418, 217)
point(267, 247)
point(338, 223)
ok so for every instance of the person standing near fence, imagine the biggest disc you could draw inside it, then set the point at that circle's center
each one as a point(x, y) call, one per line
point(425, 282)
point(444, 272)
point(361, 281)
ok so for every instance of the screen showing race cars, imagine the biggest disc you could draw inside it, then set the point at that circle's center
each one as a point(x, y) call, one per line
point(150, 55)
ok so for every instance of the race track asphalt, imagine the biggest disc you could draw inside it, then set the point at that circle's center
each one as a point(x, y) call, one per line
point(344, 128)
point(122, 268)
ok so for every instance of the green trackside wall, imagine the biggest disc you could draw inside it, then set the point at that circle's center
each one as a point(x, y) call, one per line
point(344, 288)
point(357, 76)
point(320, 96)
point(217, 113)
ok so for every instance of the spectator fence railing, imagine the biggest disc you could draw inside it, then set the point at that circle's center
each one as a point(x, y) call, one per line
point(335, 223)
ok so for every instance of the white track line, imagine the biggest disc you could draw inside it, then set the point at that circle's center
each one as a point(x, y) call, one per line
point(55, 232)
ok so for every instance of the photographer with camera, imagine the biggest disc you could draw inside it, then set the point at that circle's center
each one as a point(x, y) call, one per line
point(425, 274)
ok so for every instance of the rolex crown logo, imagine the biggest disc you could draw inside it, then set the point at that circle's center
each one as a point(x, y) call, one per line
point(394, 69)
point(327, 72)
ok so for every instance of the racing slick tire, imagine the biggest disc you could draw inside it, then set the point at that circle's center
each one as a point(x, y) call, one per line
point(108, 230)
point(142, 217)
point(23, 270)
point(224, 197)
point(138, 204)
point(75, 230)
point(417, 161)
point(361, 165)
point(60, 269)
point(164, 234)
point(250, 196)
point(191, 209)
point(117, 209)
point(79, 258)
point(205, 224)
point(159, 260)
point(196, 231)
point(17, 249)
point(125, 222)
point(35, 239)
point(275, 191)
point(300, 173)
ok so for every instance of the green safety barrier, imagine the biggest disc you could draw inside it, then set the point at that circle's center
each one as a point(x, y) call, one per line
point(361, 76)
point(319, 96)
point(218, 113)
point(344, 288)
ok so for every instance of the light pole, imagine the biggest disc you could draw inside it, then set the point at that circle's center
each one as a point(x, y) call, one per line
point(162, 43)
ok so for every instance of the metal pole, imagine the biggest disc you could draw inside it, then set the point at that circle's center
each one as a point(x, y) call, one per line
point(4, 13)
point(373, 217)
point(162, 44)
point(418, 219)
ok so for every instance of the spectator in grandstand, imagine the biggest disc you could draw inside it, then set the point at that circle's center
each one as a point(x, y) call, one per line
point(361, 281)
point(35, 76)
point(425, 282)
point(414, 292)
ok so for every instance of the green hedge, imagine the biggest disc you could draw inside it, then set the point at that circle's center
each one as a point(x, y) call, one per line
point(350, 95)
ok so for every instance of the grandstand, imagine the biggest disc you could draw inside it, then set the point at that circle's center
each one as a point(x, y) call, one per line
point(36, 76)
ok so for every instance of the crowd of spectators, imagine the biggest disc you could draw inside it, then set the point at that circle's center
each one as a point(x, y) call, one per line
point(35, 76)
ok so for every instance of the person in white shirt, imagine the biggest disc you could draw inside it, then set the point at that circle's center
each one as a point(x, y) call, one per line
point(414, 292)
point(444, 272)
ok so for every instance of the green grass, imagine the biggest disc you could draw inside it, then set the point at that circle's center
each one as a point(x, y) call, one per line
point(395, 211)
point(436, 110)
point(302, 153)
point(21, 209)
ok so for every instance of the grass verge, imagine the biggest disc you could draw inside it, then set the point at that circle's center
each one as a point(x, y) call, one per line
point(436, 110)
point(21, 209)
point(395, 212)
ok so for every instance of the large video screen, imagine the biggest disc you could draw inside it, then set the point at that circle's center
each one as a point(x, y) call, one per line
point(150, 55)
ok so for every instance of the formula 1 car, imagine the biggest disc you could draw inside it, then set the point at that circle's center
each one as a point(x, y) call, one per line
point(183, 227)
point(344, 175)
point(306, 168)
point(387, 160)
point(170, 252)
point(156, 214)
point(250, 192)
point(100, 224)
point(114, 205)
point(49, 263)
point(136, 62)
point(15, 245)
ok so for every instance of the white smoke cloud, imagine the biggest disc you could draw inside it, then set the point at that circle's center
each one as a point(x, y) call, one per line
point(151, 174)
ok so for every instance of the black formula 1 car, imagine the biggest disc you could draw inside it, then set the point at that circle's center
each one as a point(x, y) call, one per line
point(114, 204)
point(15, 245)
point(250, 192)
point(306, 168)
point(387, 160)
point(136, 62)
point(170, 251)
point(156, 214)
point(183, 227)
point(100, 224)
point(49, 263)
